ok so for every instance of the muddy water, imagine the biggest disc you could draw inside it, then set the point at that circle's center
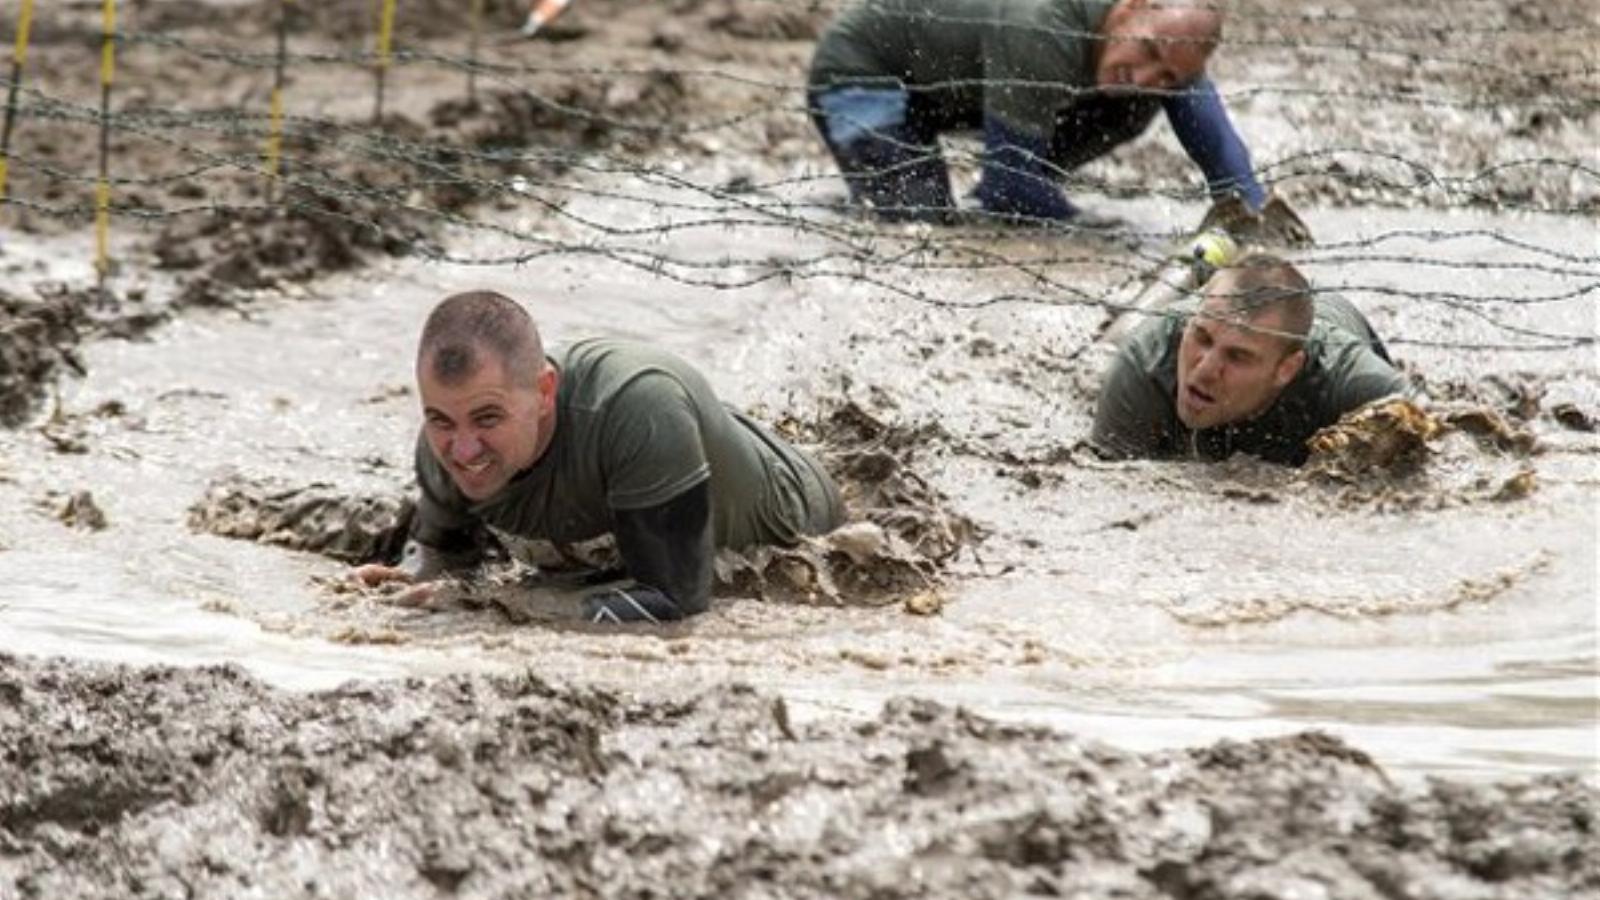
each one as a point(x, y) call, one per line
point(1148, 605)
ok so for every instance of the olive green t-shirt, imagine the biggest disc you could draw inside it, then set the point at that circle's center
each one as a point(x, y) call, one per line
point(1017, 60)
point(1137, 413)
point(635, 427)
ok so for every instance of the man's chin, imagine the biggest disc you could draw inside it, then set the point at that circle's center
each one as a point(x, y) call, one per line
point(1196, 419)
point(477, 490)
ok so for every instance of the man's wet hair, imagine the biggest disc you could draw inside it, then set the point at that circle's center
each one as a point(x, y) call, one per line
point(1208, 15)
point(1258, 283)
point(463, 326)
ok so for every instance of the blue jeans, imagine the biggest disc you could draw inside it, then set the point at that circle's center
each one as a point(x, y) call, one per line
point(888, 153)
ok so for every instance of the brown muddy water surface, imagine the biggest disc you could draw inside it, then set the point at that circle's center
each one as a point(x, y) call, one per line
point(1144, 680)
point(1149, 605)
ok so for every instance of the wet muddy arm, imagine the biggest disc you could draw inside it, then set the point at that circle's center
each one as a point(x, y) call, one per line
point(668, 550)
point(1202, 125)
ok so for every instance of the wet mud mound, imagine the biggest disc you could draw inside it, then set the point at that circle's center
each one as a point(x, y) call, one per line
point(1384, 454)
point(413, 19)
point(858, 564)
point(802, 21)
point(631, 112)
point(903, 534)
point(123, 782)
point(1395, 456)
point(39, 337)
point(224, 258)
point(316, 518)
point(874, 462)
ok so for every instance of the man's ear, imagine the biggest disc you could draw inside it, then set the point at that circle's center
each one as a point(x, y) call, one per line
point(549, 381)
point(1289, 367)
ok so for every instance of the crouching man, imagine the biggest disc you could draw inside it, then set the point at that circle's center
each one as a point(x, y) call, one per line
point(1258, 368)
point(607, 436)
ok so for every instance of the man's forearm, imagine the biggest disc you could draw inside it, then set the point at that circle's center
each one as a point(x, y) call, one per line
point(1202, 126)
point(668, 550)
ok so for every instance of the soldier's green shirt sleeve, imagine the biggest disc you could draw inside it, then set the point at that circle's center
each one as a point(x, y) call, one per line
point(1360, 376)
point(651, 442)
point(1129, 417)
point(1034, 57)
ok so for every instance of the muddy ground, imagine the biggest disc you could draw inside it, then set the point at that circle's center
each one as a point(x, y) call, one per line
point(206, 783)
point(581, 156)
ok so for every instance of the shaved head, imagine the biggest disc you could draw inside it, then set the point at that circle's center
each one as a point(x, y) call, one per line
point(1261, 283)
point(1157, 44)
point(1197, 22)
point(464, 327)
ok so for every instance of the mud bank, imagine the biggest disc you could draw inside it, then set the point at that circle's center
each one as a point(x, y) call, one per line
point(126, 782)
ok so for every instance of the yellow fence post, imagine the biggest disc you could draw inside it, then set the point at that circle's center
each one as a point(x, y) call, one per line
point(275, 122)
point(385, 33)
point(102, 193)
point(18, 58)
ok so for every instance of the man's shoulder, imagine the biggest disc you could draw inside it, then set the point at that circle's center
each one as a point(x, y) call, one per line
point(1151, 344)
point(599, 372)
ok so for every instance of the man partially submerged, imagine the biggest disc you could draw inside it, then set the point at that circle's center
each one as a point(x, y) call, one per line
point(607, 436)
point(1257, 368)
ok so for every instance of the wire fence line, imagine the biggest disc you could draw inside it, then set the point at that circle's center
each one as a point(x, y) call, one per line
point(319, 168)
point(374, 144)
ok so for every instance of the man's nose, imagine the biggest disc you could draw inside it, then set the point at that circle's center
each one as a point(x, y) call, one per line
point(1209, 366)
point(465, 448)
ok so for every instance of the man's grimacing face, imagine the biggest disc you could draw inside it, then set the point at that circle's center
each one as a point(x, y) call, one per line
point(1229, 371)
point(486, 428)
point(1151, 49)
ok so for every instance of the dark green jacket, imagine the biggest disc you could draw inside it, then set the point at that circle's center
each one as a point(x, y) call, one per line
point(1016, 60)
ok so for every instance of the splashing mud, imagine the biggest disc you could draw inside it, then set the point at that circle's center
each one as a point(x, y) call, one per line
point(149, 781)
point(1393, 455)
point(315, 517)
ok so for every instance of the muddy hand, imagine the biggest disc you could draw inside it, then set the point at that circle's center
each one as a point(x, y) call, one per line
point(1280, 223)
point(401, 586)
point(377, 574)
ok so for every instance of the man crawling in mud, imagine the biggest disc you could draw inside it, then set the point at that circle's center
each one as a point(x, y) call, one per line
point(1258, 368)
point(1050, 84)
point(607, 436)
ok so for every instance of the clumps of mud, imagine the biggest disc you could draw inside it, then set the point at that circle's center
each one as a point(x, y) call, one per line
point(1382, 454)
point(225, 258)
point(78, 511)
point(39, 336)
point(903, 532)
point(801, 21)
point(1386, 438)
point(316, 518)
point(631, 111)
point(205, 783)
point(858, 564)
